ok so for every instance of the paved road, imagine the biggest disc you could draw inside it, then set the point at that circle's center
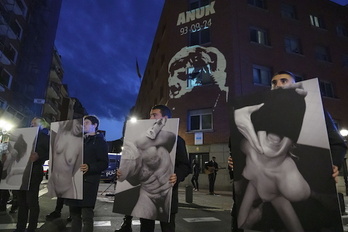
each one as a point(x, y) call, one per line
point(206, 213)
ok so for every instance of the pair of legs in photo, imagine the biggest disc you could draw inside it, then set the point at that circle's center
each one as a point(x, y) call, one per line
point(147, 225)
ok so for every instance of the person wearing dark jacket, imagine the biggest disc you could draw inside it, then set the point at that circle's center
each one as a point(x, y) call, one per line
point(182, 168)
point(95, 158)
point(286, 79)
point(28, 196)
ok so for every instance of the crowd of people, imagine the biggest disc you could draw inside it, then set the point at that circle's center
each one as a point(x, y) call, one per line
point(262, 145)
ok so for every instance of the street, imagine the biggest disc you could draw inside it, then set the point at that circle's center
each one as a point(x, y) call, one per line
point(206, 213)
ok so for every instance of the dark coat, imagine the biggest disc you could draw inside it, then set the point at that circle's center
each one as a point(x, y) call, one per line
point(33, 172)
point(182, 169)
point(95, 155)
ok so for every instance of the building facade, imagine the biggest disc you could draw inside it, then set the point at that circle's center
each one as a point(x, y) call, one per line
point(207, 52)
point(27, 34)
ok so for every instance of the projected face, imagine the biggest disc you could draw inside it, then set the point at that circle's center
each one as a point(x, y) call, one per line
point(196, 66)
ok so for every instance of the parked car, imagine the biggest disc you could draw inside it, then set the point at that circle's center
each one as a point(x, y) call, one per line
point(45, 169)
point(109, 174)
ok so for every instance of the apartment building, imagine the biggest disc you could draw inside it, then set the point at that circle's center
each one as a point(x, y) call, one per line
point(207, 52)
point(27, 34)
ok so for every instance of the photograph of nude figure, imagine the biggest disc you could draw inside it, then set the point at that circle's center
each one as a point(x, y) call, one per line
point(282, 162)
point(148, 156)
point(15, 157)
point(66, 156)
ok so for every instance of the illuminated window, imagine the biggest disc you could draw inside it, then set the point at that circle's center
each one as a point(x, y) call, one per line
point(200, 120)
point(261, 75)
point(326, 89)
point(258, 3)
point(259, 36)
point(292, 45)
point(288, 11)
point(198, 76)
point(199, 37)
point(201, 159)
point(322, 53)
point(194, 4)
point(317, 21)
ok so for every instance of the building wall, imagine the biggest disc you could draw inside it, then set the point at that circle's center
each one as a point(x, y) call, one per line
point(234, 54)
point(30, 70)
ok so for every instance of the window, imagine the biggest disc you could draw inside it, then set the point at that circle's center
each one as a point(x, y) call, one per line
point(200, 120)
point(10, 52)
point(257, 3)
point(201, 159)
point(292, 45)
point(259, 36)
point(322, 53)
point(261, 75)
point(288, 11)
point(16, 28)
point(198, 76)
point(194, 4)
point(22, 6)
point(3, 103)
point(326, 89)
point(5, 78)
point(316, 21)
point(342, 30)
point(345, 60)
point(199, 37)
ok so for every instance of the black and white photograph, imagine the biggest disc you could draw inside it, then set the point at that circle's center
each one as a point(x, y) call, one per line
point(148, 156)
point(283, 166)
point(15, 158)
point(66, 149)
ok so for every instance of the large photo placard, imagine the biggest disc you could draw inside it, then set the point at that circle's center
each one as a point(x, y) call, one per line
point(16, 168)
point(148, 157)
point(66, 156)
point(282, 162)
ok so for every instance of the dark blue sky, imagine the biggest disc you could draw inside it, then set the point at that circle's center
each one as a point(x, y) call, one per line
point(99, 41)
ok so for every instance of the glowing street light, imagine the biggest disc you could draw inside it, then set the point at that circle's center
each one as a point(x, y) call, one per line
point(344, 132)
point(5, 126)
point(133, 119)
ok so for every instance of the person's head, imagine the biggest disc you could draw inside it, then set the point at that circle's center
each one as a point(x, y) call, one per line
point(213, 158)
point(208, 63)
point(90, 124)
point(282, 78)
point(39, 122)
point(160, 111)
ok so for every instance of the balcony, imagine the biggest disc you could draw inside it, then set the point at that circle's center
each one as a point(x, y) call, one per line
point(51, 107)
point(56, 74)
point(53, 91)
point(12, 5)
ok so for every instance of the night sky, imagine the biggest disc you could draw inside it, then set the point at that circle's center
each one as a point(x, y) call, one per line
point(99, 42)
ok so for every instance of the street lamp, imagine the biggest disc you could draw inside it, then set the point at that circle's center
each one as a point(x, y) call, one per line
point(344, 133)
point(5, 126)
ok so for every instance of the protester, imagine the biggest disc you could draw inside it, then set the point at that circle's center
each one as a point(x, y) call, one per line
point(28, 200)
point(181, 170)
point(95, 158)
